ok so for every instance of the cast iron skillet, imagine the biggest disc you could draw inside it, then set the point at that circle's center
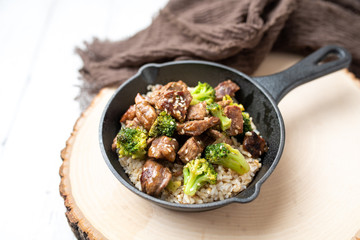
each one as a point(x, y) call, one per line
point(259, 95)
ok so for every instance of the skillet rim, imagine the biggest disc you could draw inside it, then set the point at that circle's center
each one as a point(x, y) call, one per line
point(201, 206)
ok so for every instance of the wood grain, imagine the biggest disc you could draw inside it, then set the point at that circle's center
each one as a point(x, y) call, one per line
point(313, 193)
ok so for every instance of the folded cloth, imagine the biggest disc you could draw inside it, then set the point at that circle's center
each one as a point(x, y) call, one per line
point(316, 23)
point(237, 33)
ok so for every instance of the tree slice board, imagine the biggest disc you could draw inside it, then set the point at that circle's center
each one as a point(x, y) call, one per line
point(314, 193)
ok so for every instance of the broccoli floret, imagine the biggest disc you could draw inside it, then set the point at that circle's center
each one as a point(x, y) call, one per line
point(227, 97)
point(164, 125)
point(202, 92)
point(224, 154)
point(197, 173)
point(173, 185)
point(131, 142)
point(247, 122)
point(217, 111)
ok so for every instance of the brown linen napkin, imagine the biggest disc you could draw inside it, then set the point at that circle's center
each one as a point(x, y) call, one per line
point(316, 23)
point(236, 33)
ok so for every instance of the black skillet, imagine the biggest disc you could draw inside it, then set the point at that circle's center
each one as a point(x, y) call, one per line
point(259, 95)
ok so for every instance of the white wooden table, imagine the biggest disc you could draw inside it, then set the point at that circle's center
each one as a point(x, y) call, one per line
point(38, 84)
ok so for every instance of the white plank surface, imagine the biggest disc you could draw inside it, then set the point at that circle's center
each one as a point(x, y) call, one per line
point(38, 84)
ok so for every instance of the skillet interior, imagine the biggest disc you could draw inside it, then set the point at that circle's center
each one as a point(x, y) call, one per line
point(255, 100)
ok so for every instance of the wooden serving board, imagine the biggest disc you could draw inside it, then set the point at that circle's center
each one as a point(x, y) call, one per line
point(314, 193)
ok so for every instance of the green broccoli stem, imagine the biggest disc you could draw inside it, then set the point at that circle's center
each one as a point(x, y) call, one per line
point(186, 174)
point(225, 122)
point(189, 180)
point(198, 96)
point(194, 183)
point(236, 163)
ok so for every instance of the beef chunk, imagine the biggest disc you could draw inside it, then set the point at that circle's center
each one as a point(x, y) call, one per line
point(133, 123)
point(164, 148)
point(197, 127)
point(254, 144)
point(234, 113)
point(139, 99)
point(226, 88)
point(155, 95)
point(129, 114)
point(145, 113)
point(197, 111)
point(174, 103)
point(218, 137)
point(154, 177)
point(191, 149)
point(175, 99)
point(175, 86)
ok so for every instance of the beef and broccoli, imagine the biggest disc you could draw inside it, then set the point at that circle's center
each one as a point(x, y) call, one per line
point(196, 128)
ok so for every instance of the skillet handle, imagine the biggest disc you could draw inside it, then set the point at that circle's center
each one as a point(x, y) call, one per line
point(310, 68)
